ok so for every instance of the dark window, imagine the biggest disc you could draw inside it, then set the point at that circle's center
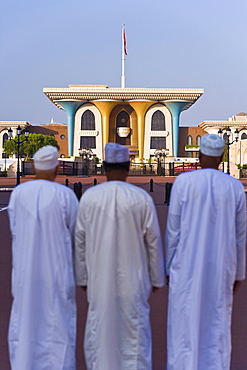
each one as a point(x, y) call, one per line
point(198, 140)
point(190, 154)
point(243, 136)
point(158, 121)
point(88, 121)
point(88, 142)
point(62, 137)
point(158, 142)
point(189, 140)
point(123, 120)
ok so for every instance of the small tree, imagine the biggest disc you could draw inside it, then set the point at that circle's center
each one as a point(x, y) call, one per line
point(226, 153)
point(9, 147)
point(30, 146)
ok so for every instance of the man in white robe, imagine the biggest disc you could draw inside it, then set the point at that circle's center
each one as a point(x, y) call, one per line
point(119, 258)
point(42, 214)
point(205, 262)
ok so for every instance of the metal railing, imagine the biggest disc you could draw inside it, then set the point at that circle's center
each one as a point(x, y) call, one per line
point(69, 169)
point(243, 173)
point(136, 169)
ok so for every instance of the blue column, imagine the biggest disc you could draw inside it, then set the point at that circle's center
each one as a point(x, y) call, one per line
point(70, 108)
point(175, 107)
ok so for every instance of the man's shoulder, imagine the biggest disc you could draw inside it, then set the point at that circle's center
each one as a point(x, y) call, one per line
point(202, 174)
point(65, 190)
point(186, 176)
point(236, 182)
point(193, 177)
point(93, 191)
point(25, 186)
point(137, 189)
point(33, 185)
point(140, 195)
point(112, 186)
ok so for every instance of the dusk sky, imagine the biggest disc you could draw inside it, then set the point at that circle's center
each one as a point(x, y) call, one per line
point(170, 44)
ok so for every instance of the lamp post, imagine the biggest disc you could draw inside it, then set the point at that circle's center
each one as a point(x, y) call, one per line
point(159, 154)
point(18, 142)
point(228, 143)
point(86, 154)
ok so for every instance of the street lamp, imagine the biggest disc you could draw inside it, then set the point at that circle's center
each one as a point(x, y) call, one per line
point(228, 143)
point(159, 154)
point(86, 154)
point(18, 142)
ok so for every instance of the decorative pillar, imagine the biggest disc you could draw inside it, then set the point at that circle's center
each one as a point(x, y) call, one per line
point(105, 108)
point(175, 107)
point(141, 109)
point(70, 107)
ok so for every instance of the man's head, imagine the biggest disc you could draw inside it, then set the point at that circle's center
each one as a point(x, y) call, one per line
point(46, 162)
point(211, 151)
point(117, 161)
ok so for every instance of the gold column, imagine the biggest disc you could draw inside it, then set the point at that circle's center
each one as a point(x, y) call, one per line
point(105, 108)
point(141, 109)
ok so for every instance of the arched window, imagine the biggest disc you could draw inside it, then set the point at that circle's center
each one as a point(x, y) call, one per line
point(189, 140)
point(158, 121)
point(88, 120)
point(243, 136)
point(198, 140)
point(123, 120)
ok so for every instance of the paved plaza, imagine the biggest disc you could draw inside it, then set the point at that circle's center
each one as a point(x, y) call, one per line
point(158, 300)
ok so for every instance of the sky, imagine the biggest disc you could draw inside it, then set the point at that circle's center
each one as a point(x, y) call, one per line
point(170, 44)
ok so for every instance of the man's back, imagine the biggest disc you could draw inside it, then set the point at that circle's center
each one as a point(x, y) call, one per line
point(41, 205)
point(207, 201)
point(205, 255)
point(42, 217)
point(116, 216)
point(119, 258)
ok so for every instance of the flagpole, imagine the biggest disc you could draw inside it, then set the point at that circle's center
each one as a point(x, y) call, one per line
point(123, 60)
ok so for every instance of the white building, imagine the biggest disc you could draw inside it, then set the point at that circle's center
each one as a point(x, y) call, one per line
point(237, 150)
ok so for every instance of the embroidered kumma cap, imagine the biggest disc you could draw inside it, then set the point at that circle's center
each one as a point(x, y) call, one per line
point(116, 153)
point(212, 145)
point(46, 158)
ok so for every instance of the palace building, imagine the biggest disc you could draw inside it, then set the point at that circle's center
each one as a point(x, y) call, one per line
point(143, 119)
point(140, 118)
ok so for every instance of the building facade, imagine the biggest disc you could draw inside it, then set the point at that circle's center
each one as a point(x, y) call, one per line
point(189, 141)
point(237, 149)
point(4, 127)
point(142, 119)
point(124, 126)
point(57, 130)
